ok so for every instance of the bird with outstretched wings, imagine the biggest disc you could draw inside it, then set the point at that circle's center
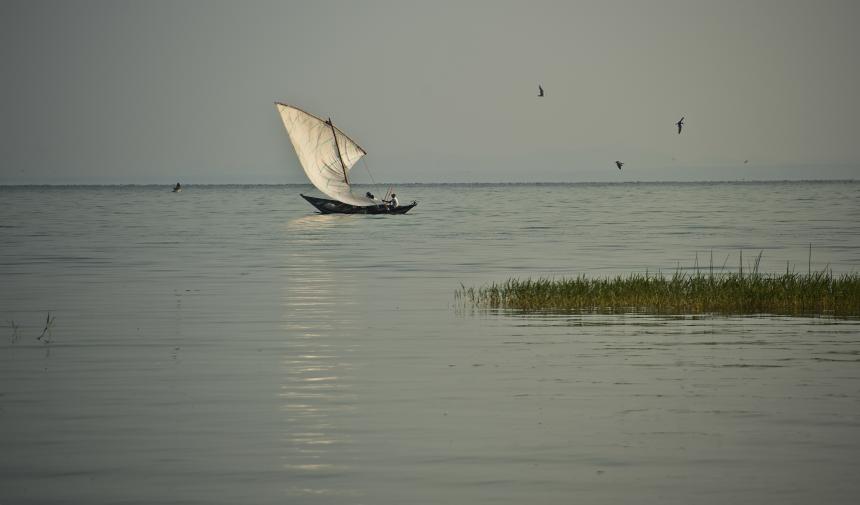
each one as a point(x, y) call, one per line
point(680, 124)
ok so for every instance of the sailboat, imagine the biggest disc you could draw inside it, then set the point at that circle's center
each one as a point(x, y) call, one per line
point(327, 154)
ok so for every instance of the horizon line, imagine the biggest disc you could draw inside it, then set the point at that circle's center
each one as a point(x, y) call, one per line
point(473, 183)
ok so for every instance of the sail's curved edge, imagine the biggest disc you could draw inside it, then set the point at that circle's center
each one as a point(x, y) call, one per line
point(317, 143)
point(323, 120)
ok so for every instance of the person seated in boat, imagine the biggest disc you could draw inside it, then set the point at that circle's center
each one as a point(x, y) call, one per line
point(393, 203)
point(372, 197)
point(177, 187)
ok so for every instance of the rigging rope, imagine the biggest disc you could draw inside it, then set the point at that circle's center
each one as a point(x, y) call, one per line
point(375, 185)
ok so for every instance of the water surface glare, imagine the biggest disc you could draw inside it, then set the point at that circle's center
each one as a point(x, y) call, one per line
point(227, 345)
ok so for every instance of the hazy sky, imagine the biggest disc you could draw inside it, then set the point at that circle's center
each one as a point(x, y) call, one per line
point(155, 92)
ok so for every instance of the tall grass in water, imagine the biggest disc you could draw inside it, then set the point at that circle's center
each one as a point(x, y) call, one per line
point(814, 293)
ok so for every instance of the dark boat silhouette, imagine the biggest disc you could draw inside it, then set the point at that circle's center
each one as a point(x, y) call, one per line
point(326, 206)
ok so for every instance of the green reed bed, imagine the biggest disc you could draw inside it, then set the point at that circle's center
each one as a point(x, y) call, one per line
point(815, 293)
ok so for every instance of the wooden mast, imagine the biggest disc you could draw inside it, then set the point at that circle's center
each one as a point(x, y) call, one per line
point(337, 147)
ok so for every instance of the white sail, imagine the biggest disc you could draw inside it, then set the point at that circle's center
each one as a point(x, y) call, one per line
point(325, 153)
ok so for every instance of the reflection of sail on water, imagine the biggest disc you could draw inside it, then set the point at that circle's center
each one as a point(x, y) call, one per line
point(325, 153)
point(316, 389)
point(312, 222)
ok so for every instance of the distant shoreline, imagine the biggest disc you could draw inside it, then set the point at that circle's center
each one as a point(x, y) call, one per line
point(418, 184)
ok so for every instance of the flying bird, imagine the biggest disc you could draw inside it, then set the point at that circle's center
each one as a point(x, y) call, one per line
point(540, 90)
point(680, 124)
point(619, 164)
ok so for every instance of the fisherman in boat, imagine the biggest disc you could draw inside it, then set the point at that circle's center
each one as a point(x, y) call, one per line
point(178, 187)
point(393, 203)
point(372, 197)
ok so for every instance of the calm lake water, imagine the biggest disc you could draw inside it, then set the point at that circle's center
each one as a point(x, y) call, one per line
point(227, 345)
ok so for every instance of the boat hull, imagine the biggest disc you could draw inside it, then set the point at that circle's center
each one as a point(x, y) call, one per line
point(326, 206)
